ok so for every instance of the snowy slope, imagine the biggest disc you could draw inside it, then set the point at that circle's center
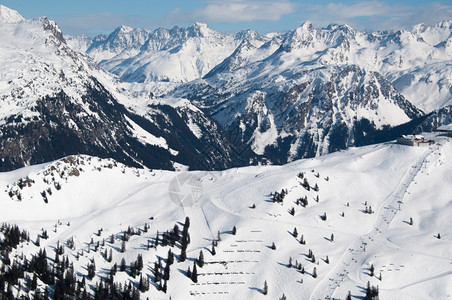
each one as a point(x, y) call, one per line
point(396, 182)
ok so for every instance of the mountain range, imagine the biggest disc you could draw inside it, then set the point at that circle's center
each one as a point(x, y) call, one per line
point(200, 99)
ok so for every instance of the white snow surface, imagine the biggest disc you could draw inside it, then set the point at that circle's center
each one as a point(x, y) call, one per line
point(8, 15)
point(396, 181)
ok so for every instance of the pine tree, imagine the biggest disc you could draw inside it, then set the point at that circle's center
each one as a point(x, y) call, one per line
point(156, 240)
point(411, 221)
point(316, 187)
point(183, 254)
point(201, 259)
point(123, 246)
point(194, 274)
point(156, 272)
point(34, 283)
point(302, 240)
point(290, 262)
point(372, 270)
point(170, 258)
point(189, 272)
point(295, 232)
point(306, 184)
point(213, 250)
point(327, 260)
point(187, 223)
point(349, 296)
point(265, 290)
point(166, 272)
point(314, 272)
point(332, 237)
point(292, 211)
point(234, 230)
point(273, 246)
point(110, 256)
point(139, 262)
point(122, 266)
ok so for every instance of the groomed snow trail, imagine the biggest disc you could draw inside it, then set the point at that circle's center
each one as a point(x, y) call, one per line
point(355, 255)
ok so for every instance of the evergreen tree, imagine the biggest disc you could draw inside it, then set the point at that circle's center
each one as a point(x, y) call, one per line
point(234, 230)
point(349, 296)
point(316, 187)
point(166, 272)
point(110, 256)
point(91, 270)
point(189, 272)
point(194, 274)
point(183, 254)
point(122, 266)
point(156, 240)
point(302, 240)
point(295, 232)
point(156, 272)
point(306, 184)
point(332, 237)
point(372, 270)
point(273, 246)
point(187, 223)
point(292, 211)
point(201, 259)
point(213, 250)
point(175, 233)
point(123, 246)
point(170, 259)
point(314, 272)
point(34, 283)
point(265, 290)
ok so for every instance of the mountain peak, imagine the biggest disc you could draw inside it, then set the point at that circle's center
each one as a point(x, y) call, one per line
point(8, 15)
point(200, 29)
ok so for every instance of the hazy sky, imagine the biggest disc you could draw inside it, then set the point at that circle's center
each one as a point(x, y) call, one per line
point(102, 16)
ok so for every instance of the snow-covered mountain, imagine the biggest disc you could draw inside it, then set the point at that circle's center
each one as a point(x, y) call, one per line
point(377, 215)
point(303, 93)
point(416, 61)
point(177, 54)
point(55, 102)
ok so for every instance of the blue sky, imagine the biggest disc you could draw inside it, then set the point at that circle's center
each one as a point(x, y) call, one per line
point(102, 16)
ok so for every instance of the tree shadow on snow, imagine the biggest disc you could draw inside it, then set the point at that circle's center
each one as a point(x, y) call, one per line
point(256, 289)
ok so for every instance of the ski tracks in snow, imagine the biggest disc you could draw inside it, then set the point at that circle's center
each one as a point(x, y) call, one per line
point(355, 255)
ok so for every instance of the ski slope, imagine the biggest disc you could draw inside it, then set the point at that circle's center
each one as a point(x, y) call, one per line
point(397, 181)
